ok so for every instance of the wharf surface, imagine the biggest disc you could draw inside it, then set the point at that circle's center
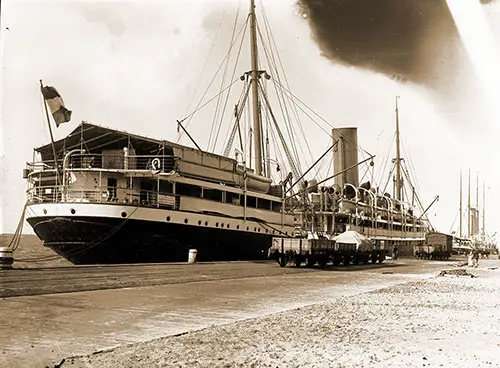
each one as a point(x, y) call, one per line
point(38, 330)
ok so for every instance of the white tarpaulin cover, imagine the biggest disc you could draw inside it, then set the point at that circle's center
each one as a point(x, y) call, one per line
point(354, 239)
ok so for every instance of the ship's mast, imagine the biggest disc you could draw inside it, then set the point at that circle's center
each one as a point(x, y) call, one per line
point(460, 206)
point(469, 232)
point(399, 188)
point(257, 130)
point(476, 210)
point(484, 211)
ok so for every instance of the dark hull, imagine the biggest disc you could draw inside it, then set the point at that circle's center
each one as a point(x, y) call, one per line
point(108, 240)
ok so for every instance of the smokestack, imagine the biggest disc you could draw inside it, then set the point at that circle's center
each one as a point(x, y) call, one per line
point(345, 155)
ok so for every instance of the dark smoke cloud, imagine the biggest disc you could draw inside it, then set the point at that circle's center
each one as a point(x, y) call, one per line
point(406, 39)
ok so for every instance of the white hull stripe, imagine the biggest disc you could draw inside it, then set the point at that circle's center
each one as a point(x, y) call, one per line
point(118, 211)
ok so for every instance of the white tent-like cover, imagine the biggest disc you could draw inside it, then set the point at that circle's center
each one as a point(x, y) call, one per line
point(352, 240)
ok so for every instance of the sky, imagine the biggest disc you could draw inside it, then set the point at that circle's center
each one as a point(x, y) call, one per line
point(141, 65)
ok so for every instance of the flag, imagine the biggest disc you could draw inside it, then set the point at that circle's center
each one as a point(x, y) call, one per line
point(60, 113)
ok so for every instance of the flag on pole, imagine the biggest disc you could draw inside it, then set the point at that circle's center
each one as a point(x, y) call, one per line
point(60, 113)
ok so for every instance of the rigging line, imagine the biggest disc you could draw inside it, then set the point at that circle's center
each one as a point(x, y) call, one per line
point(366, 172)
point(454, 221)
point(317, 124)
point(223, 79)
point(322, 156)
point(413, 171)
point(316, 114)
point(229, 91)
point(271, 40)
point(387, 157)
point(331, 177)
point(206, 103)
point(244, 26)
point(384, 167)
point(206, 62)
point(389, 178)
point(277, 151)
point(284, 110)
point(323, 162)
point(237, 126)
point(282, 139)
point(282, 103)
point(310, 117)
point(270, 37)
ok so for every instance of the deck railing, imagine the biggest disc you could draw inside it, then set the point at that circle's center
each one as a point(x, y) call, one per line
point(108, 162)
point(58, 194)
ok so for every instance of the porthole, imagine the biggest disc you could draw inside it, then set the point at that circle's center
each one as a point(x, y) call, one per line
point(72, 211)
point(185, 221)
point(237, 227)
point(216, 224)
point(124, 214)
point(168, 218)
point(254, 229)
point(228, 226)
point(266, 231)
point(44, 211)
point(199, 222)
point(206, 223)
point(248, 228)
point(258, 229)
point(222, 225)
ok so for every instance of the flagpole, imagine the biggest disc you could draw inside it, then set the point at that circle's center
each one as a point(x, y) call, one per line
point(51, 135)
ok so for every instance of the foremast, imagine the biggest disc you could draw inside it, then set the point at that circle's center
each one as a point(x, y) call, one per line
point(398, 181)
point(257, 126)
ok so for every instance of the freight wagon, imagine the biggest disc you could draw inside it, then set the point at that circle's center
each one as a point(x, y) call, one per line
point(347, 248)
point(436, 246)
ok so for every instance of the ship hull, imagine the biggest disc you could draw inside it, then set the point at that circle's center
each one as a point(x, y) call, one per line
point(108, 239)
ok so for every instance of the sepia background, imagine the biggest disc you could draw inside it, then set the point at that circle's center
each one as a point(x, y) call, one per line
point(140, 65)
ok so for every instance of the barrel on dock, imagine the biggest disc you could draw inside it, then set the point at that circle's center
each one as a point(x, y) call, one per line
point(192, 255)
point(6, 258)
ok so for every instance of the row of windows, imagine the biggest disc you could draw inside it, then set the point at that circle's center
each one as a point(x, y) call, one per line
point(189, 190)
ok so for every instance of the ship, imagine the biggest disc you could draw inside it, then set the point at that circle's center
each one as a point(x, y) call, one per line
point(101, 195)
point(473, 238)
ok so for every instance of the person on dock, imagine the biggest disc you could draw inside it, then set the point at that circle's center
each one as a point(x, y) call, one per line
point(475, 258)
point(395, 253)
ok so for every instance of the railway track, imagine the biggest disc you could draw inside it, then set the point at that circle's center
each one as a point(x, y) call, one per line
point(37, 281)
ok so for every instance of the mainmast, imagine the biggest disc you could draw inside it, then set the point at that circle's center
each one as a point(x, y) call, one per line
point(257, 130)
point(469, 231)
point(399, 191)
point(460, 206)
point(484, 211)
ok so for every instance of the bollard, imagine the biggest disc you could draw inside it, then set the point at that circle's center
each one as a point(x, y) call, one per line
point(192, 255)
point(6, 258)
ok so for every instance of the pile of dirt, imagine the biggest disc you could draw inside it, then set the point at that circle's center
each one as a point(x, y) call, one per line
point(456, 272)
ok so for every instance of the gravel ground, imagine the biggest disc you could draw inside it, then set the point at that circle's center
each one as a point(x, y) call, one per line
point(448, 321)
